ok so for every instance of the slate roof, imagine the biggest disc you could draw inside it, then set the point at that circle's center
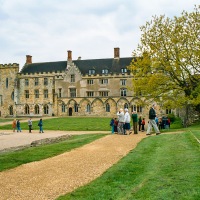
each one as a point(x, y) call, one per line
point(113, 66)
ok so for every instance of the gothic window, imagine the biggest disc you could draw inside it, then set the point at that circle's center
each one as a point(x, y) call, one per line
point(125, 105)
point(36, 81)
point(63, 107)
point(37, 110)
point(123, 70)
point(76, 107)
point(139, 108)
point(91, 71)
point(26, 82)
point(103, 81)
point(11, 110)
point(26, 110)
point(90, 94)
point(59, 92)
point(104, 71)
point(45, 81)
point(46, 109)
point(123, 92)
point(72, 92)
point(12, 95)
point(6, 82)
point(36, 93)
point(88, 108)
point(103, 93)
point(168, 111)
point(45, 93)
point(123, 81)
point(26, 94)
point(72, 78)
point(107, 107)
point(90, 81)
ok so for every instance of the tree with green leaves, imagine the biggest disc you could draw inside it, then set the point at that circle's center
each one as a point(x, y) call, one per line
point(166, 64)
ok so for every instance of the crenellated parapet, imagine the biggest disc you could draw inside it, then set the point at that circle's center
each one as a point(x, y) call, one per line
point(14, 65)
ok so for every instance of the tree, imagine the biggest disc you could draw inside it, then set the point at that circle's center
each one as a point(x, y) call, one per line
point(166, 64)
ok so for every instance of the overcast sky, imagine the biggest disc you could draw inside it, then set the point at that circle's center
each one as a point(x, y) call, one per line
point(46, 29)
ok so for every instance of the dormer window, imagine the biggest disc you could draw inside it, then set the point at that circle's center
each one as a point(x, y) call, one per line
point(72, 78)
point(91, 71)
point(123, 70)
point(104, 71)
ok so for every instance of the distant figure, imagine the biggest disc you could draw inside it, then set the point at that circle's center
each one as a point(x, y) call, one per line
point(156, 120)
point(143, 124)
point(135, 122)
point(40, 124)
point(127, 120)
point(18, 126)
point(120, 125)
point(152, 122)
point(115, 125)
point(140, 123)
point(112, 125)
point(14, 125)
point(30, 125)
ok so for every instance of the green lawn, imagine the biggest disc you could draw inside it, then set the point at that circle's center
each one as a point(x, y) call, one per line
point(69, 124)
point(165, 167)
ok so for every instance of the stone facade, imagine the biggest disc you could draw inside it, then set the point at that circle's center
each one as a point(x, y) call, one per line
point(97, 87)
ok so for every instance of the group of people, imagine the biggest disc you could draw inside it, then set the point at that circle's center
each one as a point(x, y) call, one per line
point(121, 125)
point(16, 125)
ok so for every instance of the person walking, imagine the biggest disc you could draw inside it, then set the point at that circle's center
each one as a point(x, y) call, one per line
point(14, 125)
point(30, 125)
point(120, 125)
point(135, 121)
point(127, 120)
point(18, 126)
point(152, 122)
point(40, 124)
point(143, 124)
point(140, 123)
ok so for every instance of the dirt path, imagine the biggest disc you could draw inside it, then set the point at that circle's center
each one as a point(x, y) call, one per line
point(50, 178)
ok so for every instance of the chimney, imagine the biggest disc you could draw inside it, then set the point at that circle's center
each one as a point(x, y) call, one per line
point(28, 59)
point(116, 52)
point(69, 58)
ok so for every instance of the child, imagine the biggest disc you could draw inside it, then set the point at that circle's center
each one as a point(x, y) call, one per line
point(143, 123)
point(115, 125)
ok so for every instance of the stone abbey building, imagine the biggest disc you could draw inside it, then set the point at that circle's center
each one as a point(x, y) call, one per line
point(96, 87)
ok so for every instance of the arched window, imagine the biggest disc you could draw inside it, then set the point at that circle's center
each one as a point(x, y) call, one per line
point(37, 109)
point(125, 105)
point(88, 108)
point(46, 109)
point(27, 109)
point(11, 110)
point(107, 107)
point(139, 108)
point(168, 111)
point(76, 107)
point(63, 107)
point(12, 95)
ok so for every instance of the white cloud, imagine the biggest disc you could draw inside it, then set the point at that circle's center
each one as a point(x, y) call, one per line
point(91, 29)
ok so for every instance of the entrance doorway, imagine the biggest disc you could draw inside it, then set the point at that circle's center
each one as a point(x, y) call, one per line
point(70, 111)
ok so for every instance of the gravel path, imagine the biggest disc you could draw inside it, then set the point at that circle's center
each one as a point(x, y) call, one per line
point(50, 178)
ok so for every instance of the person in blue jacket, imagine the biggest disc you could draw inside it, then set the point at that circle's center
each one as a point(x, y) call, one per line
point(40, 124)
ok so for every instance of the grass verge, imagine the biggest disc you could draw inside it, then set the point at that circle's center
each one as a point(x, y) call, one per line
point(160, 167)
point(14, 159)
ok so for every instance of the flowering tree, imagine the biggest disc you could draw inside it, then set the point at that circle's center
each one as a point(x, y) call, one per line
point(166, 65)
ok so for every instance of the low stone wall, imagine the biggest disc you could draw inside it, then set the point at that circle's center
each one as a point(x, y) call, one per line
point(37, 143)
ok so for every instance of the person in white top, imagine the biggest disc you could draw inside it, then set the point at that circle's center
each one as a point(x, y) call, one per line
point(127, 120)
point(120, 125)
